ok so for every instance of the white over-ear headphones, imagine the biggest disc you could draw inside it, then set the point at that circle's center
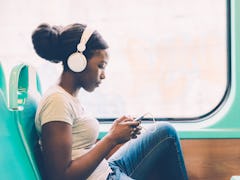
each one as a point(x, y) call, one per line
point(77, 62)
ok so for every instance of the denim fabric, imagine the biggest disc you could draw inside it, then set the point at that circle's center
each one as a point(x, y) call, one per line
point(155, 154)
point(117, 174)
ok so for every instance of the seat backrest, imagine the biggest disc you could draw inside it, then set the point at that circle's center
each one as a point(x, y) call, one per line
point(7, 152)
point(21, 138)
point(3, 83)
point(8, 159)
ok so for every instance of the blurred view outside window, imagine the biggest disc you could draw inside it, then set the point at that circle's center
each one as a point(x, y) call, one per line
point(167, 57)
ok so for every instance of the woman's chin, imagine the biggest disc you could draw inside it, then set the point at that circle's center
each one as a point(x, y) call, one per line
point(90, 89)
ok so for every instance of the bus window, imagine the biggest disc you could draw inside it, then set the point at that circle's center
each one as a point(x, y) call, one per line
point(170, 60)
point(167, 57)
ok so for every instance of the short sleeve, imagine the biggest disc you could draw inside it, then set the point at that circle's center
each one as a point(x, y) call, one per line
point(57, 107)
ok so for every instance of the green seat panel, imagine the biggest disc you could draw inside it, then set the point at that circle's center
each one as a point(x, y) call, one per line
point(21, 153)
point(3, 83)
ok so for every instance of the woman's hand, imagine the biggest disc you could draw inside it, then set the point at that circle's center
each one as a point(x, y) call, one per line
point(136, 130)
point(123, 129)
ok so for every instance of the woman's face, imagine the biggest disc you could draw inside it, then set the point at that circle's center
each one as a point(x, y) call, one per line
point(94, 73)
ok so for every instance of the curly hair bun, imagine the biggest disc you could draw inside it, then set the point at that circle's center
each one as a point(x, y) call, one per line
point(45, 40)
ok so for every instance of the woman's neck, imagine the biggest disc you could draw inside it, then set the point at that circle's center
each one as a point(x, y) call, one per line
point(67, 82)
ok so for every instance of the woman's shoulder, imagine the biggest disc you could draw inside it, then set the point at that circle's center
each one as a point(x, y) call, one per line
point(56, 92)
point(55, 95)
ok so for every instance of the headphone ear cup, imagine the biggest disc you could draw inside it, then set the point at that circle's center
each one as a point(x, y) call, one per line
point(77, 62)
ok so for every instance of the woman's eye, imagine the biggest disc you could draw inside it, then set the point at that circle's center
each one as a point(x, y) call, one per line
point(101, 66)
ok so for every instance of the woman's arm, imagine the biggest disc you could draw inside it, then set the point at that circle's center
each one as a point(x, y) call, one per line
point(57, 149)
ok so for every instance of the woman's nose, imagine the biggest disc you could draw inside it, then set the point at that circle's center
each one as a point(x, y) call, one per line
point(102, 75)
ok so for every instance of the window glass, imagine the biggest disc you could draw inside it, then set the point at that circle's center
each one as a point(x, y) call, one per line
point(167, 57)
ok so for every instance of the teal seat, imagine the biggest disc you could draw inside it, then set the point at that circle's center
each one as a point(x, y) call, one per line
point(7, 155)
point(21, 153)
point(3, 83)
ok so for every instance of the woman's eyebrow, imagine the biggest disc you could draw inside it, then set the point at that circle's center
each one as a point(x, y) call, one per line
point(104, 61)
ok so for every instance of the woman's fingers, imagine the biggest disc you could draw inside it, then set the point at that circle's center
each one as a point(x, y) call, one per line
point(124, 119)
point(131, 123)
point(135, 131)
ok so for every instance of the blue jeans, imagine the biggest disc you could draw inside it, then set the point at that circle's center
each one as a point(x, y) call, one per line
point(155, 154)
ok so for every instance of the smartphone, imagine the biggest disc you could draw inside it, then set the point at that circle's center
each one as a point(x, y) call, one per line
point(139, 119)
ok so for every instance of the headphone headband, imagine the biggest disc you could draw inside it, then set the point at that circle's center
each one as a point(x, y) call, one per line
point(85, 37)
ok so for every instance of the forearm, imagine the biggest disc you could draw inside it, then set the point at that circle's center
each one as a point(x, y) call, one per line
point(114, 150)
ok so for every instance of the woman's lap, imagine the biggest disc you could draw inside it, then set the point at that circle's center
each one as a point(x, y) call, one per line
point(157, 151)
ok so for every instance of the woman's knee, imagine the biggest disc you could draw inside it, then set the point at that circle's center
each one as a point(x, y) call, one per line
point(167, 128)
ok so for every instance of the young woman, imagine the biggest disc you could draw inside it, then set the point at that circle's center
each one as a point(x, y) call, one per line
point(68, 134)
